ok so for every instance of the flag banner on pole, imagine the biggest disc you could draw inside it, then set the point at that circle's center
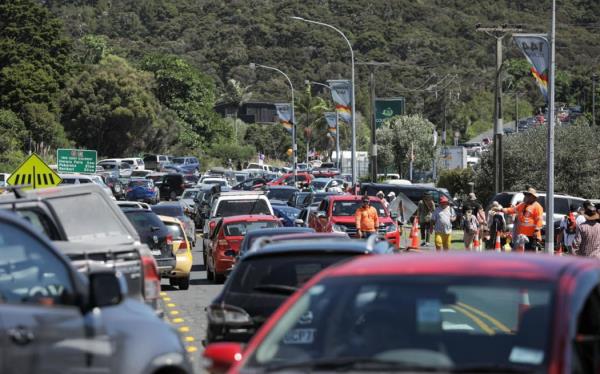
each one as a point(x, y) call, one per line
point(331, 118)
point(341, 93)
point(284, 114)
point(536, 49)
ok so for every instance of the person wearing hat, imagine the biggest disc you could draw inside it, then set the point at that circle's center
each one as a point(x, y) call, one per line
point(587, 237)
point(334, 187)
point(367, 220)
point(391, 196)
point(528, 218)
point(496, 225)
point(381, 196)
point(424, 212)
point(442, 219)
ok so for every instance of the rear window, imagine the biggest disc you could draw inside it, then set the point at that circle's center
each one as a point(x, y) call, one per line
point(348, 208)
point(241, 228)
point(178, 160)
point(168, 210)
point(144, 183)
point(277, 274)
point(190, 194)
point(175, 230)
point(144, 221)
point(228, 208)
point(280, 194)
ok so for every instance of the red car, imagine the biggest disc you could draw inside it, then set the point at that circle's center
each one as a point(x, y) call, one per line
point(451, 313)
point(226, 237)
point(288, 179)
point(336, 214)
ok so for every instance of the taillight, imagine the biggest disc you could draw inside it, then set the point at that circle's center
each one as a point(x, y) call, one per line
point(223, 242)
point(129, 189)
point(151, 278)
point(169, 239)
point(182, 248)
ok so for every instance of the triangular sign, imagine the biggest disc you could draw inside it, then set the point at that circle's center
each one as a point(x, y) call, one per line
point(34, 173)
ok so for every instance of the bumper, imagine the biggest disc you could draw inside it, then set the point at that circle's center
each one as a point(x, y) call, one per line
point(183, 267)
point(224, 333)
point(223, 265)
point(165, 265)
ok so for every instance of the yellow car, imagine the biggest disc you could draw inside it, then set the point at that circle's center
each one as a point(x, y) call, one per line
point(180, 275)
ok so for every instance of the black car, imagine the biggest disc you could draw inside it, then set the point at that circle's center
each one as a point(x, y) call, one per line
point(262, 280)
point(155, 235)
point(253, 235)
point(171, 185)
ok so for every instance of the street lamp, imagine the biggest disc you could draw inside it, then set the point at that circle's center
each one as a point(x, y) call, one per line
point(353, 132)
point(337, 127)
point(594, 80)
point(253, 66)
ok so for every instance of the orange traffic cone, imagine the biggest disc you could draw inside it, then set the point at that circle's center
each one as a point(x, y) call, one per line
point(476, 243)
point(414, 235)
point(498, 245)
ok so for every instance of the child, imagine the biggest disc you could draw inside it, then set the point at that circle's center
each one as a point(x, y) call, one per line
point(470, 228)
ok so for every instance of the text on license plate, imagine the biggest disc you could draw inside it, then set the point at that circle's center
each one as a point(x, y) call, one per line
point(299, 336)
point(156, 252)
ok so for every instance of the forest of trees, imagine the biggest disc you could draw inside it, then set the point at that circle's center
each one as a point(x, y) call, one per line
point(132, 76)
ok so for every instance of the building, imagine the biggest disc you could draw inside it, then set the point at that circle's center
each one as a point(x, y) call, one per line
point(249, 112)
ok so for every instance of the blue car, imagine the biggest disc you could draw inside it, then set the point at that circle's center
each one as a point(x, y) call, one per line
point(186, 165)
point(287, 214)
point(140, 189)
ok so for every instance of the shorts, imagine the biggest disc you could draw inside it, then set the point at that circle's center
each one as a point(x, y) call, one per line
point(443, 241)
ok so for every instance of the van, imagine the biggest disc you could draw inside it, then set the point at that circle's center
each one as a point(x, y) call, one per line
point(135, 162)
point(154, 162)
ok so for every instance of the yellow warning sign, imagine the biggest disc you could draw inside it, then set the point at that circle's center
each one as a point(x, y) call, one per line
point(34, 173)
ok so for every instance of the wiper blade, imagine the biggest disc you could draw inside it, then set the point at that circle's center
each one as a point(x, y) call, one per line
point(358, 363)
point(491, 368)
point(276, 288)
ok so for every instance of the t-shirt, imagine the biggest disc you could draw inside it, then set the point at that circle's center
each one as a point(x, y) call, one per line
point(442, 219)
point(568, 238)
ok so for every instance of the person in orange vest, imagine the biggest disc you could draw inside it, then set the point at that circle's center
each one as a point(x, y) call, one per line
point(529, 218)
point(367, 220)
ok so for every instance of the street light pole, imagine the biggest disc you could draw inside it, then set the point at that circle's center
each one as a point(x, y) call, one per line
point(549, 247)
point(353, 131)
point(594, 78)
point(294, 146)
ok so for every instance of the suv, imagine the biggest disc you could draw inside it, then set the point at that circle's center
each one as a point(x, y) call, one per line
point(171, 186)
point(188, 165)
point(155, 162)
point(135, 162)
point(336, 214)
point(116, 167)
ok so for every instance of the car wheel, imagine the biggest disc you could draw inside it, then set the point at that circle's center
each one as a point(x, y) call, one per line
point(184, 283)
point(173, 282)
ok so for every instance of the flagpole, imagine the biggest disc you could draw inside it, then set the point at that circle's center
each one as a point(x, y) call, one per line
point(549, 247)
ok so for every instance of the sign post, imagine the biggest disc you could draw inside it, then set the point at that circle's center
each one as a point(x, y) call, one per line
point(76, 161)
point(388, 108)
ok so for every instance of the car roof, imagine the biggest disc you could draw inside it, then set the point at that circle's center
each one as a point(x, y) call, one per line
point(249, 218)
point(313, 247)
point(506, 265)
point(322, 179)
point(282, 188)
point(341, 197)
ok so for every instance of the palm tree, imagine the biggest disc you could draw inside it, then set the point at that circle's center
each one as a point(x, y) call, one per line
point(236, 94)
point(311, 109)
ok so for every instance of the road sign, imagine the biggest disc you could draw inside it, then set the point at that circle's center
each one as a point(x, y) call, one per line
point(35, 173)
point(388, 108)
point(76, 161)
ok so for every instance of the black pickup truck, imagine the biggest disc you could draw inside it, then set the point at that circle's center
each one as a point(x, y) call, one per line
point(89, 228)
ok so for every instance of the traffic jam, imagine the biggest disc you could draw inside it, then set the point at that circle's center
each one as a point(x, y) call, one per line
point(309, 272)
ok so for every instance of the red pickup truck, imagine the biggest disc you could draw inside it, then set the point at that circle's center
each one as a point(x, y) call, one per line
point(288, 179)
point(336, 214)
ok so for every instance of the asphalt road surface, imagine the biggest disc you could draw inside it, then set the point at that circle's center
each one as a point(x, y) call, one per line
point(185, 309)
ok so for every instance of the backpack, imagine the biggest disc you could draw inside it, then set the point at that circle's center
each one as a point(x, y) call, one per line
point(571, 224)
point(497, 223)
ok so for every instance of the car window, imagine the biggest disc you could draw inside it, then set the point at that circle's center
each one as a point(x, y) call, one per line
point(348, 208)
point(29, 272)
point(84, 181)
point(175, 230)
point(241, 228)
point(189, 194)
point(144, 221)
point(561, 205)
point(228, 208)
point(68, 181)
point(280, 193)
point(140, 183)
point(168, 210)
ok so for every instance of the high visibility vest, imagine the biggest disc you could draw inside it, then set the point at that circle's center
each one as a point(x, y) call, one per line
point(528, 218)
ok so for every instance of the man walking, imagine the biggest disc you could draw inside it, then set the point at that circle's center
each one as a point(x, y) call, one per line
point(587, 238)
point(529, 218)
point(442, 219)
point(568, 227)
point(367, 220)
point(424, 212)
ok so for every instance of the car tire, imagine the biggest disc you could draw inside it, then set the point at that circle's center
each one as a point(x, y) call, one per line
point(173, 282)
point(184, 283)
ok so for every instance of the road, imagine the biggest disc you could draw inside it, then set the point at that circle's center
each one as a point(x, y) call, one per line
point(185, 309)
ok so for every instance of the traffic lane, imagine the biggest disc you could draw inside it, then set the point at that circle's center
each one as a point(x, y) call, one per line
point(185, 309)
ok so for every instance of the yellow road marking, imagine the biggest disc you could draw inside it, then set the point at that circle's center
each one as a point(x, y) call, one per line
point(163, 294)
point(189, 339)
point(166, 298)
point(174, 312)
point(178, 320)
point(483, 314)
point(482, 325)
point(192, 349)
point(184, 329)
point(171, 305)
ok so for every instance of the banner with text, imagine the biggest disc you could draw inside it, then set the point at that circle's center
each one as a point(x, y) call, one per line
point(388, 108)
point(536, 49)
point(284, 114)
point(331, 118)
point(341, 93)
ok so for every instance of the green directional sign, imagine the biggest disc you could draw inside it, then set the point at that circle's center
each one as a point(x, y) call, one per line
point(388, 108)
point(76, 161)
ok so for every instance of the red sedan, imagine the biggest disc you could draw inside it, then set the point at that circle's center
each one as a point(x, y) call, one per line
point(225, 240)
point(458, 313)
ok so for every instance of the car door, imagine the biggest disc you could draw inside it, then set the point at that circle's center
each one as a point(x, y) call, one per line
point(42, 328)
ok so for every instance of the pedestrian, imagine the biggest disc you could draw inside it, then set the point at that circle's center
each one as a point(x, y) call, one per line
point(391, 196)
point(496, 224)
point(381, 197)
point(472, 203)
point(587, 238)
point(470, 228)
point(425, 210)
point(442, 219)
point(367, 220)
point(529, 219)
point(334, 187)
point(568, 228)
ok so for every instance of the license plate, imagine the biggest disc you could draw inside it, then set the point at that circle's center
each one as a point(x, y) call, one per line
point(299, 336)
point(156, 252)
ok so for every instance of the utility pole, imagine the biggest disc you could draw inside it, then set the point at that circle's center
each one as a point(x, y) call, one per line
point(499, 33)
point(594, 79)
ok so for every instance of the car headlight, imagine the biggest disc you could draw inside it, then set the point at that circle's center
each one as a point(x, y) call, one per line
point(227, 314)
point(391, 228)
point(338, 228)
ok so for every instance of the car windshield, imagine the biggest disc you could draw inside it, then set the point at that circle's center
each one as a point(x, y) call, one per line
point(348, 208)
point(241, 228)
point(178, 160)
point(108, 166)
point(220, 182)
point(319, 185)
point(283, 194)
point(170, 210)
point(140, 183)
point(189, 194)
point(175, 230)
point(228, 208)
point(429, 321)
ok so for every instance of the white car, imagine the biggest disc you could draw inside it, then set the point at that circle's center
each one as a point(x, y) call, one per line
point(214, 181)
point(124, 169)
point(135, 162)
point(85, 178)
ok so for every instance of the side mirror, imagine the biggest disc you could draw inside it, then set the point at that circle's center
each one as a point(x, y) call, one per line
point(220, 357)
point(106, 288)
point(298, 222)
